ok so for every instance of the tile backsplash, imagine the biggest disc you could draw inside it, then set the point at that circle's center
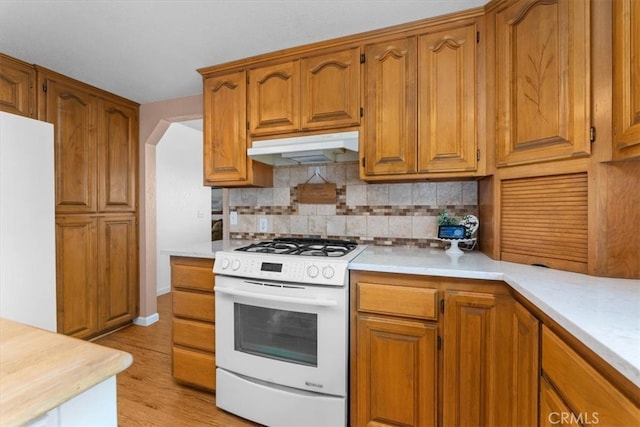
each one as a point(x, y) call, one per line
point(378, 214)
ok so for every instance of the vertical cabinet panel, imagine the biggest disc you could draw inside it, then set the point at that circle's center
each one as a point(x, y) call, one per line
point(117, 157)
point(330, 94)
point(17, 87)
point(447, 139)
point(391, 108)
point(469, 396)
point(397, 383)
point(225, 135)
point(542, 79)
point(626, 79)
point(118, 255)
point(523, 354)
point(76, 246)
point(274, 98)
point(73, 112)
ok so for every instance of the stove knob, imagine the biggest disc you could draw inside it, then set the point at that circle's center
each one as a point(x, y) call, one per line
point(328, 272)
point(235, 265)
point(312, 271)
point(225, 263)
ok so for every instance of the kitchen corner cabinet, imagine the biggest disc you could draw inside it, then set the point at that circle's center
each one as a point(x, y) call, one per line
point(573, 389)
point(96, 166)
point(626, 79)
point(542, 80)
point(428, 351)
point(193, 340)
point(421, 106)
point(17, 87)
point(226, 163)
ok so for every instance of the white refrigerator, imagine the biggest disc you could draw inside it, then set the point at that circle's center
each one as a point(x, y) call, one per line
point(27, 222)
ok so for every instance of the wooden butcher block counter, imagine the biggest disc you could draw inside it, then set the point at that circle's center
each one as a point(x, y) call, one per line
point(41, 370)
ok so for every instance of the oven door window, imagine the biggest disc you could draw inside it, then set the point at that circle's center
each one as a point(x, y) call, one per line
point(285, 335)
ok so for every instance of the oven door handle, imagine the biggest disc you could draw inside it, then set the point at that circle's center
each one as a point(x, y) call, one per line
point(294, 300)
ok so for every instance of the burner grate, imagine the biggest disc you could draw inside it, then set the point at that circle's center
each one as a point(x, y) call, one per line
point(302, 246)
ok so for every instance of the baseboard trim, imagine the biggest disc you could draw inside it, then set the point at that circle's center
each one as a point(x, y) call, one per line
point(146, 321)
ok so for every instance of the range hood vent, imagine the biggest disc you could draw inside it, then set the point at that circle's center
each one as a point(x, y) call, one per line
point(304, 150)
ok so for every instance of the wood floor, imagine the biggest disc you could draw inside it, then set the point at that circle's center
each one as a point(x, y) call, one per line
point(147, 393)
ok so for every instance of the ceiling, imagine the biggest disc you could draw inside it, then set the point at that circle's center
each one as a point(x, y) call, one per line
point(149, 50)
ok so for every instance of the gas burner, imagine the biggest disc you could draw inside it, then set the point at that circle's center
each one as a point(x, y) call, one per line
point(302, 246)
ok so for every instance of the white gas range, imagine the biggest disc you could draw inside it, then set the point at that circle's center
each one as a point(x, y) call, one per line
point(282, 331)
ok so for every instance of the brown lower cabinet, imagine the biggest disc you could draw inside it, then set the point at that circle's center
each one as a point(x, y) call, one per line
point(97, 271)
point(573, 392)
point(193, 341)
point(434, 351)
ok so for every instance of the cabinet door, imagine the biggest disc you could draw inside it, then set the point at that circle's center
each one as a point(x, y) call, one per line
point(626, 79)
point(396, 372)
point(76, 275)
point(274, 98)
point(117, 271)
point(469, 371)
point(447, 119)
point(553, 410)
point(543, 63)
point(390, 111)
point(117, 157)
point(225, 134)
point(73, 111)
point(522, 352)
point(330, 95)
point(17, 87)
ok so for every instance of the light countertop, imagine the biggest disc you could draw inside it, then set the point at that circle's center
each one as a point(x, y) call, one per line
point(603, 313)
point(40, 370)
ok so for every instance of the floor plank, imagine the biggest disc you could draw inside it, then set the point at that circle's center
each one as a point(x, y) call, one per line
point(147, 393)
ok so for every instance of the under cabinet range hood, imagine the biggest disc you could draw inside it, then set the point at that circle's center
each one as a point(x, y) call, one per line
point(302, 150)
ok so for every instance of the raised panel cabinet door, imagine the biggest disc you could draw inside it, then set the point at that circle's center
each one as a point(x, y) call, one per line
point(396, 372)
point(117, 271)
point(469, 372)
point(553, 410)
point(17, 87)
point(330, 95)
point(543, 80)
point(523, 355)
point(117, 157)
point(225, 134)
point(626, 79)
point(390, 122)
point(76, 279)
point(447, 119)
point(274, 98)
point(73, 112)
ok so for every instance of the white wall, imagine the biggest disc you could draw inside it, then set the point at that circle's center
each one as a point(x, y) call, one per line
point(183, 204)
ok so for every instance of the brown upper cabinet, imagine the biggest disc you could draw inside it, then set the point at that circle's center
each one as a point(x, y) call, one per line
point(421, 104)
point(316, 92)
point(17, 87)
point(626, 79)
point(225, 134)
point(542, 80)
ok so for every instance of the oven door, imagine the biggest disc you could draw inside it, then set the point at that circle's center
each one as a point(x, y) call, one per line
point(283, 333)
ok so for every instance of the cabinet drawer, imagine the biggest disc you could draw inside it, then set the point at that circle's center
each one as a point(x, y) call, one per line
point(192, 273)
point(404, 301)
point(584, 389)
point(194, 334)
point(194, 305)
point(195, 368)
